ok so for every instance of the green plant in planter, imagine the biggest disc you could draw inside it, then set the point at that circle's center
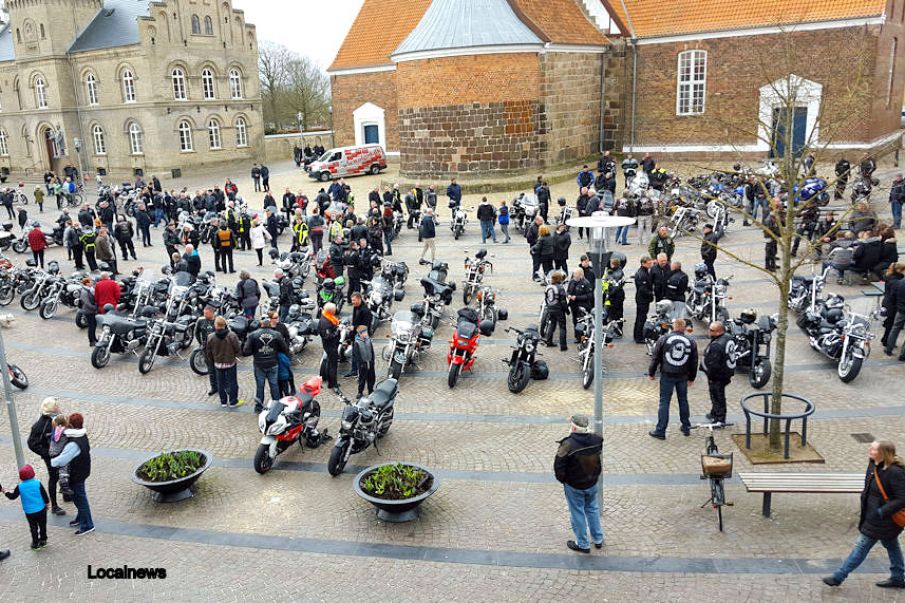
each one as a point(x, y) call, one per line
point(396, 482)
point(171, 465)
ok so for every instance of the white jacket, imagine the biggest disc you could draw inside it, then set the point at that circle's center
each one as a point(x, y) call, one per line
point(259, 236)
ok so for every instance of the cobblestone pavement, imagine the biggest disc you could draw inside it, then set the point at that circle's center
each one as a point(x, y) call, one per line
point(496, 528)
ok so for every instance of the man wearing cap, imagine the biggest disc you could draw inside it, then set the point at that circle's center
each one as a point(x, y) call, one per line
point(577, 467)
point(708, 248)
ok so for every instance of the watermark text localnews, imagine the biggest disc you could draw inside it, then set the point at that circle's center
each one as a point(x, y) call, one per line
point(126, 573)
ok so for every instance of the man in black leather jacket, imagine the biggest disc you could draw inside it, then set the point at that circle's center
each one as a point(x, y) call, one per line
point(644, 295)
point(264, 345)
point(580, 293)
point(719, 365)
point(577, 467)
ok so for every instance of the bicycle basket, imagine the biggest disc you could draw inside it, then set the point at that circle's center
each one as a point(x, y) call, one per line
point(717, 465)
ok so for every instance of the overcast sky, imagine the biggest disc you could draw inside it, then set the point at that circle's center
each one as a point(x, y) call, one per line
point(313, 28)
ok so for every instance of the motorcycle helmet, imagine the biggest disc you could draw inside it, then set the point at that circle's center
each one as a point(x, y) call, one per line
point(53, 267)
point(748, 316)
point(540, 371)
point(664, 306)
point(329, 285)
point(561, 201)
point(700, 270)
point(737, 167)
point(502, 314)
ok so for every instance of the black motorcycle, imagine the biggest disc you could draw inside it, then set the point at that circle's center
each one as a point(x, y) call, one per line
point(658, 325)
point(379, 296)
point(119, 335)
point(523, 364)
point(750, 345)
point(363, 423)
point(436, 295)
point(173, 332)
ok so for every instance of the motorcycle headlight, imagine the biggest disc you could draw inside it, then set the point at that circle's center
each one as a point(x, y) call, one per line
point(767, 337)
point(347, 425)
point(529, 347)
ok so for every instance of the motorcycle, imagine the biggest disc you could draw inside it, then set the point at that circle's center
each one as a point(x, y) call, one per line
point(17, 376)
point(584, 330)
point(409, 337)
point(346, 339)
point(524, 208)
point(302, 326)
point(32, 297)
point(658, 325)
point(53, 236)
point(175, 331)
point(458, 222)
point(119, 335)
point(684, 221)
point(237, 323)
point(750, 345)
point(436, 295)
point(439, 271)
point(330, 291)
point(843, 336)
point(289, 420)
point(474, 274)
point(379, 296)
point(565, 214)
point(464, 343)
point(862, 188)
point(804, 289)
point(294, 264)
point(66, 292)
point(7, 237)
point(523, 364)
point(396, 273)
point(707, 301)
point(486, 305)
point(363, 423)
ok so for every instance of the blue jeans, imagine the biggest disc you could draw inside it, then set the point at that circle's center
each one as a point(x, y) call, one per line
point(896, 214)
point(667, 385)
point(158, 216)
point(862, 547)
point(762, 203)
point(228, 384)
point(388, 236)
point(622, 235)
point(80, 500)
point(584, 513)
point(271, 376)
point(487, 230)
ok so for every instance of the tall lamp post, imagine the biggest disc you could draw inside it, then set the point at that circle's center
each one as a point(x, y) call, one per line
point(300, 117)
point(597, 223)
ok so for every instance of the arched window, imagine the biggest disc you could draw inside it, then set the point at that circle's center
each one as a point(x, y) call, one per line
point(179, 84)
point(241, 132)
point(91, 89)
point(136, 139)
point(207, 84)
point(213, 134)
point(100, 141)
point(235, 83)
point(42, 31)
point(4, 144)
point(196, 25)
point(185, 136)
point(128, 86)
point(18, 36)
point(208, 26)
point(40, 93)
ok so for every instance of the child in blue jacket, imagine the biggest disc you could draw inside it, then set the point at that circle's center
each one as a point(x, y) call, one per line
point(34, 503)
point(285, 379)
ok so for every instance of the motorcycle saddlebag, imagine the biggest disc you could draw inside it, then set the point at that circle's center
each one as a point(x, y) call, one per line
point(540, 371)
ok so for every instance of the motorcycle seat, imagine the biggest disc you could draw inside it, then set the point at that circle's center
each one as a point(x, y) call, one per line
point(435, 286)
point(120, 325)
point(466, 329)
point(806, 280)
point(384, 392)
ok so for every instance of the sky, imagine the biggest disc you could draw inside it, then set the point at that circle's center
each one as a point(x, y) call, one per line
point(312, 28)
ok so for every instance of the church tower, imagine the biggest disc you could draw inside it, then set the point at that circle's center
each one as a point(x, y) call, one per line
point(43, 28)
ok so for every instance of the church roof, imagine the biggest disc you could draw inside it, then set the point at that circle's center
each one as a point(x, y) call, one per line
point(656, 18)
point(7, 52)
point(114, 25)
point(378, 29)
point(459, 24)
point(559, 21)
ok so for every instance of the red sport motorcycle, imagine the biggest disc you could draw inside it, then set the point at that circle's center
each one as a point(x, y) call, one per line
point(289, 420)
point(464, 343)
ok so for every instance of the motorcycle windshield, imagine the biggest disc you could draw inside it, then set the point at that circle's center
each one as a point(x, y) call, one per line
point(403, 322)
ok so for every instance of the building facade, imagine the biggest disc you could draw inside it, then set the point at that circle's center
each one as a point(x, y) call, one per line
point(120, 86)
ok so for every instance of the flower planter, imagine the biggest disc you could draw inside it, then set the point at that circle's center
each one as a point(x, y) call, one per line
point(395, 511)
point(177, 489)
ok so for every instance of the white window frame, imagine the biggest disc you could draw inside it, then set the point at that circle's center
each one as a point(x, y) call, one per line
point(128, 86)
point(57, 149)
point(91, 89)
point(235, 84)
point(4, 144)
point(100, 140)
point(241, 132)
point(186, 144)
point(893, 50)
point(136, 139)
point(196, 25)
point(214, 135)
point(208, 85)
point(178, 78)
point(690, 84)
point(40, 93)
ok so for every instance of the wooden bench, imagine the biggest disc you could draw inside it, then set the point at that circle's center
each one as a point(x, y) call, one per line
point(806, 483)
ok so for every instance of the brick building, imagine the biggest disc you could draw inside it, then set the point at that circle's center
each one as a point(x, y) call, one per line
point(148, 85)
point(454, 86)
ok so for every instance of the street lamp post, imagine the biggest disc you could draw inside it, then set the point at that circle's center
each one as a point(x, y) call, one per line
point(11, 407)
point(597, 223)
point(301, 118)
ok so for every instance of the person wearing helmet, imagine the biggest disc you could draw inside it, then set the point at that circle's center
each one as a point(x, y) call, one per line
point(709, 248)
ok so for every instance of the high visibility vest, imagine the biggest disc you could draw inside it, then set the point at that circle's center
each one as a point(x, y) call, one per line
point(225, 237)
point(87, 240)
point(336, 229)
point(301, 232)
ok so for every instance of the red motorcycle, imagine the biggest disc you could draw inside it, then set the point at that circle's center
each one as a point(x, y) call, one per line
point(464, 343)
point(289, 420)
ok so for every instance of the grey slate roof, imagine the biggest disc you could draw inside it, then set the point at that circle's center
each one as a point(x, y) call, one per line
point(114, 25)
point(7, 52)
point(450, 24)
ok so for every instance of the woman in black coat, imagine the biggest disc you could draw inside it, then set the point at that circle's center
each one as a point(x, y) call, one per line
point(894, 273)
point(39, 443)
point(544, 249)
point(562, 240)
point(883, 496)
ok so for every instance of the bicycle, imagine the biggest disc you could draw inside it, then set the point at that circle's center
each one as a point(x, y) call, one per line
point(716, 467)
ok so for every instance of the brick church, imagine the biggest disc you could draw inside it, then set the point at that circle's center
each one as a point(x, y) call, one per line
point(518, 86)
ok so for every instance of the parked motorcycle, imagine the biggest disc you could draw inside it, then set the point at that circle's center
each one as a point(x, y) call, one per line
point(289, 420)
point(330, 291)
point(474, 274)
point(464, 343)
point(458, 222)
point(843, 336)
point(174, 332)
point(750, 344)
point(32, 297)
point(524, 208)
point(436, 295)
point(379, 296)
point(65, 291)
point(7, 237)
point(485, 300)
point(658, 325)
point(409, 338)
point(804, 289)
point(119, 335)
point(54, 236)
point(363, 423)
point(684, 221)
point(346, 339)
point(397, 273)
point(523, 364)
point(439, 271)
point(707, 301)
point(584, 330)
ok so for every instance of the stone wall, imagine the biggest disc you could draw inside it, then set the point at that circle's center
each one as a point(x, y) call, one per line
point(352, 91)
point(570, 89)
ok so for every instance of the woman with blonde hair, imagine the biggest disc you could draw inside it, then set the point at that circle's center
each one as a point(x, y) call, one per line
point(39, 443)
point(882, 498)
point(544, 249)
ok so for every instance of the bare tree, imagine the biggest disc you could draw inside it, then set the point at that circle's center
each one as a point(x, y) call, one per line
point(272, 62)
point(307, 91)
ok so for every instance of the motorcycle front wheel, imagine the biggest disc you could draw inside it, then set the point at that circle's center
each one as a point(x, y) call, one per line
point(20, 246)
point(337, 461)
point(48, 309)
point(454, 371)
point(849, 367)
point(587, 370)
point(456, 234)
point(545, 325)
point(519, 376)
point(81, 321)
point(760, 373)
point(7, 294)
point(146, 360)
point(263, 461)
point(17, 377)
point(100, 356)
point(198, 362)
point(29, 301)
